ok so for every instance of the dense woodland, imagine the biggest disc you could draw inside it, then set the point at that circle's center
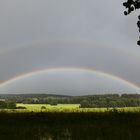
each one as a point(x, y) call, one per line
point(91, 101)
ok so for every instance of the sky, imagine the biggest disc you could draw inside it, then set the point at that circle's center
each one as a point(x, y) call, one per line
point(68, 81)
point(82, 34)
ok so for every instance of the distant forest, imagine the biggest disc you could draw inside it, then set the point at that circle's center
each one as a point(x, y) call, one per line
point(90, 101)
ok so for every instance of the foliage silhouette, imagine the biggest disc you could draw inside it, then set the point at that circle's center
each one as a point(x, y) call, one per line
point(132, 5)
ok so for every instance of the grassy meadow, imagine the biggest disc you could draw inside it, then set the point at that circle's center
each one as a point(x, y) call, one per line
point(70, 120)
point(64, 108)
point(69, 108)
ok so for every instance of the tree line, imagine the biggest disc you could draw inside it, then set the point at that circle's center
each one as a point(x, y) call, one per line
point(90, 101)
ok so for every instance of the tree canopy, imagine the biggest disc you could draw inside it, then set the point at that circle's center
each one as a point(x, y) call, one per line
point(132, 5)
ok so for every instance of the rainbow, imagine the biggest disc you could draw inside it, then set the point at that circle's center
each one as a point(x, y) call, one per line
point(35, 72)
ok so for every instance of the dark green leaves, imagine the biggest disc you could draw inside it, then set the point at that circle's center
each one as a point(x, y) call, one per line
point(132, 5)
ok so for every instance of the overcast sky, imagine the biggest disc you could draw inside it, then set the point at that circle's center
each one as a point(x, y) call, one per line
point(41, 34)
point(68, 81)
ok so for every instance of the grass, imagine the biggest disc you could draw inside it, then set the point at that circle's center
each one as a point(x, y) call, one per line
point(69, 122)
point(49, 108)
point(70, 126)
point(66, 108)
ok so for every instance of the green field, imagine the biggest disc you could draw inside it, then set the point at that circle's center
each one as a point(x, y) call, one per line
point(49, 108)
point(64, 108)
point(69, 122)
point(67, 108)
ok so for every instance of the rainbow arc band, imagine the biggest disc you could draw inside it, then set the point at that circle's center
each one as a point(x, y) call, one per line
point(33, 73)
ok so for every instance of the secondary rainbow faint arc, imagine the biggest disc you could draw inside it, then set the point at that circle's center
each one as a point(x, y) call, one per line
point(35, 72)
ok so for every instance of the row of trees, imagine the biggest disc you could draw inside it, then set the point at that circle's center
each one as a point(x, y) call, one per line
point(7, 105)
point(114, 100)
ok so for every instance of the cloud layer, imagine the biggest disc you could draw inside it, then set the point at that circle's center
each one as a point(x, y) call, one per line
point(68, 33)
point(68, 81)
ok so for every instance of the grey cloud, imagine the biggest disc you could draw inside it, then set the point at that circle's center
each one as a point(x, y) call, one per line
point(67, 82)
point(68, 33)
point(99, 22)
point(111, 60)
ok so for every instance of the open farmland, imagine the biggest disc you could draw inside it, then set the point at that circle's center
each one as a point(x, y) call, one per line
point(66, 108)
point(48, 107)
point(69, 122)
